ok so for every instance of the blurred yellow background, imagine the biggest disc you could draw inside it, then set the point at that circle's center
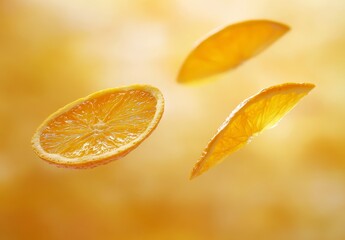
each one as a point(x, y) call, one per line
point(289, 183)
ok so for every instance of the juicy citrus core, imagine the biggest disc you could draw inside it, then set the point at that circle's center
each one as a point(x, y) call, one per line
point(255, 114)
point(229, 47)
point(99, 128)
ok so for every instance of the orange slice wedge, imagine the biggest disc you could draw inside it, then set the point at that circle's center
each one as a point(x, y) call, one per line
point(229, 47)
point(99, 128)
point(252, 116)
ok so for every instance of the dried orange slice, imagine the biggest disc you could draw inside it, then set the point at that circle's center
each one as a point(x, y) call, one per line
point(229, 47)
point(252, 116)
point(99, 128)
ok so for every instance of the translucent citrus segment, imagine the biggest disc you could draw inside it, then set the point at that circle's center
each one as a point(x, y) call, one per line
point(102, 127)
point(252, 116)
point(229, 47)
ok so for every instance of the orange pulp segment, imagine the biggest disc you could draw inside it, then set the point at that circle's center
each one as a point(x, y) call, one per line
point(229, 47)
point(252, 116)
point(99, 128)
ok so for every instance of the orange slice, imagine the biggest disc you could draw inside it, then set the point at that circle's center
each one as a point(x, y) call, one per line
point(99, 128)
point(229, 47)
point(252, 116)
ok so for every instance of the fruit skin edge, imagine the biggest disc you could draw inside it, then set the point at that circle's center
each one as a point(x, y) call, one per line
point(95, 161)
point(198, 165)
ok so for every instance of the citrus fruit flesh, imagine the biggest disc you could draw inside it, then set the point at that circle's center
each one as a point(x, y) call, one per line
point(100, 128)
point(229, 47)
point(252, 116)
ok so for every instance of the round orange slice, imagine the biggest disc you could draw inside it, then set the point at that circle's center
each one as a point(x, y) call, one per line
point(99, 128)
point(229, 47)
point(252, 116)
